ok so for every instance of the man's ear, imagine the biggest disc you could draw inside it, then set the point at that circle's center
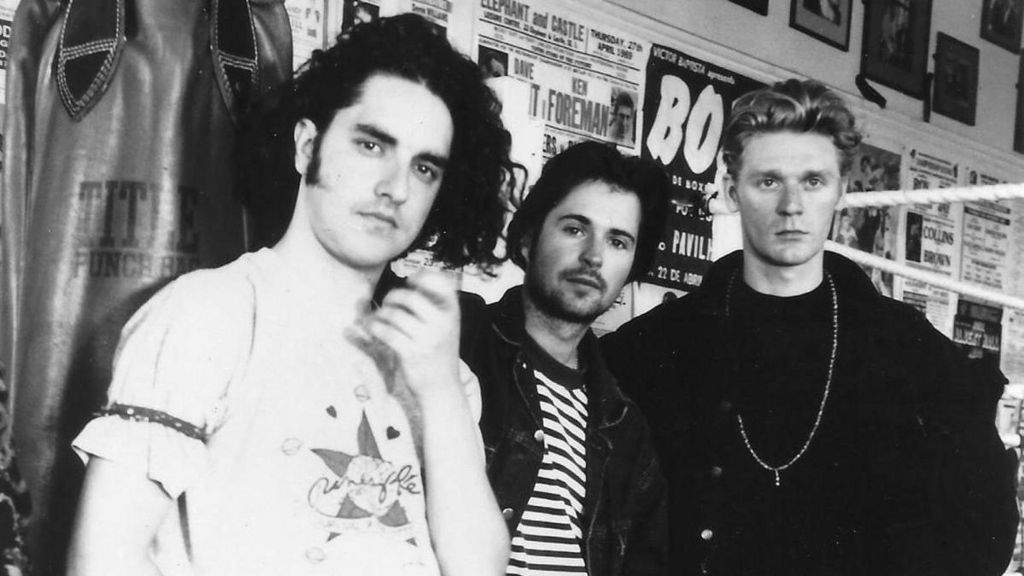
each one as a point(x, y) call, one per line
point(729, 184)
point(305, 135)
point(524, 247)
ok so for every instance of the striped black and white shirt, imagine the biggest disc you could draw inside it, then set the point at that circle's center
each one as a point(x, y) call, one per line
point(549, 537)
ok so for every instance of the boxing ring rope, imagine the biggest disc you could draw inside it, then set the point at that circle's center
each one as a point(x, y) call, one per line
point(886, 265)
point(932, 196)
point(990, 192)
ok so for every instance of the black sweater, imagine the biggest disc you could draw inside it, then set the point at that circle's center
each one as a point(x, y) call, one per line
point(906, 473)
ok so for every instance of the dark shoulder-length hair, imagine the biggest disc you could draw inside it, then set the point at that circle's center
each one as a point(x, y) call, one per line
point(467, 216)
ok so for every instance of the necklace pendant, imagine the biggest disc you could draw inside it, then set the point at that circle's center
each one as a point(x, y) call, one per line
point(778, 478)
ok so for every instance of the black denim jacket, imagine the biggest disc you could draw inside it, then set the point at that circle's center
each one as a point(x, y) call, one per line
point(625, 509)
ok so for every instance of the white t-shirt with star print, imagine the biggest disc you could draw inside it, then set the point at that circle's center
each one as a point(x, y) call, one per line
point(299, 462)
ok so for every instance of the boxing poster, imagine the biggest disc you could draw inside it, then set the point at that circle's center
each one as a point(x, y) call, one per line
point(687, 102)
point(6, 20)
point(309, 25)
point(873, 229)
point(985, 259)
point(932, 239)
point(1012, 360)
point(978, 329)
point(584, 77)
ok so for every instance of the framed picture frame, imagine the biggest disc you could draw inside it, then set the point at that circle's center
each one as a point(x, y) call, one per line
point(1018, 129)
point(895, 46)
point(759, 6)
point(1001, 22)
point(955, 88)
point(826, 20)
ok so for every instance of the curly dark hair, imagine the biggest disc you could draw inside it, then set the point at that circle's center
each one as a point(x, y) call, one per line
point(791, 106)
point(588, 162)
point(466, 219)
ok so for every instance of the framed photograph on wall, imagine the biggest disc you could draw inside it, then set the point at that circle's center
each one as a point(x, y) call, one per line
point(1001, 23)
point(955, 88)
point(895, 46)
point(759, 6)
point(1018, 130)
point(826, 20)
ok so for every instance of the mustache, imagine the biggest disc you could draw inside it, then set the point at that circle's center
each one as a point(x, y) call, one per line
point(587, 273)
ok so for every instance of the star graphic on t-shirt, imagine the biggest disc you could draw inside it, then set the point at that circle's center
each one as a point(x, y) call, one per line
point(370, 482)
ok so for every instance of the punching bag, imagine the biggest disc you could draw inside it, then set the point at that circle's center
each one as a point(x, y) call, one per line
point(117, 178)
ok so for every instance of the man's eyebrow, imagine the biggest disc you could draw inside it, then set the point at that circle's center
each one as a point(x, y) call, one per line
point(587, 222)
point(577, 217)
point(377, 133)
point(439, 160)
point(388, 139)
point(777, 174)
point(817, 173)
point(618, 232)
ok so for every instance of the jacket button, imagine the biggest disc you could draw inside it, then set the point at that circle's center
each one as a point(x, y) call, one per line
point(725, 406)
point(538, 435)
point(716, 471)
point(507, 513)
point(706, 534)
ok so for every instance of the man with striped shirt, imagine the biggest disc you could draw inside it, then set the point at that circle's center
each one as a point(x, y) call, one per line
point(569, 457)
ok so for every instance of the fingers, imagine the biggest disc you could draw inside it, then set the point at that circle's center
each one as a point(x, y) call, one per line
point(426, 307)
point(394, 327)
point(437, 287)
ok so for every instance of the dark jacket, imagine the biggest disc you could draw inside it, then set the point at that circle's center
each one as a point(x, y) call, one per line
point(624, 511)
point(907, 473)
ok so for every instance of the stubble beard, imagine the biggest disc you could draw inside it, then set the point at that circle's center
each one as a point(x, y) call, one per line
point(556, 304)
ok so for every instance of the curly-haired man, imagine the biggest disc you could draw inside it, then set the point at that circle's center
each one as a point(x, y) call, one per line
point(266, 417)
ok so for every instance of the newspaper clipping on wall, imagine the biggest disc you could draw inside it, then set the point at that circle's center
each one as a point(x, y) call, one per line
point(308, 19)
point(1012, 361)
point(978, 329)
point(6, 19)
point(585, 78)
point(873, 229)
point(932, 239)
point(986, 238)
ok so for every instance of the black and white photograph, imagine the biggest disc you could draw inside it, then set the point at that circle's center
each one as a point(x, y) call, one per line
point(1001, 23)
point(826, 20)
point(759, 6)
point(511, 288)
point(895, 44)
point(955, 86)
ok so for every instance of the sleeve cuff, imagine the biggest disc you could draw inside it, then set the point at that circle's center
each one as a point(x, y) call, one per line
point(164, 455)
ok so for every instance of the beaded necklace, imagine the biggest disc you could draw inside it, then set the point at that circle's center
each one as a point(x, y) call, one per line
point(777, 470)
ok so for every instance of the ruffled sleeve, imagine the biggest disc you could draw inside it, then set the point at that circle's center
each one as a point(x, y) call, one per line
point(175, 362)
